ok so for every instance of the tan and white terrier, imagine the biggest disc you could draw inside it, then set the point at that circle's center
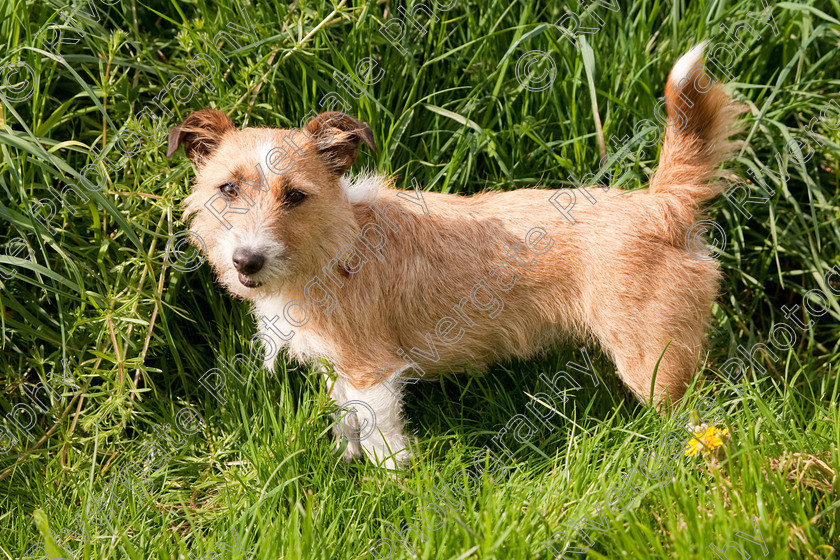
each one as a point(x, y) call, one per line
point(388, 285)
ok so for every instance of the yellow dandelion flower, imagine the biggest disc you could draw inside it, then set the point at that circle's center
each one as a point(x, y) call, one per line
point(690, 449)
point(706, 440)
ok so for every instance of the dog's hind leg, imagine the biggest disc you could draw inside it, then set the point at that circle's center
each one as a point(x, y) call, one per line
point(659, 319)
point(671, 359)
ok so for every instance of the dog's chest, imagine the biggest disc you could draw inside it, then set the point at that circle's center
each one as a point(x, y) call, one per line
point(283, 325)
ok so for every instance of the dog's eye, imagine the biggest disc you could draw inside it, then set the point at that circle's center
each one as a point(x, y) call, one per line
point(229, 190)
point(294, 198)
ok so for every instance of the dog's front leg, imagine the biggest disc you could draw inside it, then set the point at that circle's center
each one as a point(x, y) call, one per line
point(370, 420)
point(346, 424)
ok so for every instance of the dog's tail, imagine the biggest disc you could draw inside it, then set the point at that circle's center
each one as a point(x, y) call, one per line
point(701, 118)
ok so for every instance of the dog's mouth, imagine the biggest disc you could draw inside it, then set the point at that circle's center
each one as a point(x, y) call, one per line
point(248, 282)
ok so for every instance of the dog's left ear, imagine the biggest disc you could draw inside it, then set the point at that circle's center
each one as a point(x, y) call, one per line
point(337, 135)
point(200, 134)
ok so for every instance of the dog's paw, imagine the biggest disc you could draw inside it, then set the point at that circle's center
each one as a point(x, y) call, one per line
point(351, 452)
point(397, 462)
point(384, 459)
point(340, 430)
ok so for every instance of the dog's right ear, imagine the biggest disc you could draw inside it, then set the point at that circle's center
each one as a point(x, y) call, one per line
point(199, 133)
point(337, 136)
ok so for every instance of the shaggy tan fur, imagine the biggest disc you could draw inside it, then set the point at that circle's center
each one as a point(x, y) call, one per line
point(620, 275)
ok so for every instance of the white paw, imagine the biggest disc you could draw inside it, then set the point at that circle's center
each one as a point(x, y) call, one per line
point(397, 462)
point(394, 455)
point(353, 450)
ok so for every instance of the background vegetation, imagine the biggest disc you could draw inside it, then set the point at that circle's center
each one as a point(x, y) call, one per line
point(137, 334)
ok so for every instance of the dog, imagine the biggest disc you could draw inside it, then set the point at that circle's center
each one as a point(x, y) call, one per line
point(387, 286)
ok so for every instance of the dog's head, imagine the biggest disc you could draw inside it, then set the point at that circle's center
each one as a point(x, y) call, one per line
point(267, 203)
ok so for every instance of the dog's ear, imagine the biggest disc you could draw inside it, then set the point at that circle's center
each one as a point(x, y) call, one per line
point(199, 133)
point(337, 136)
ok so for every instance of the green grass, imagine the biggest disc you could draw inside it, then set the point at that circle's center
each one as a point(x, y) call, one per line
point(137, 334)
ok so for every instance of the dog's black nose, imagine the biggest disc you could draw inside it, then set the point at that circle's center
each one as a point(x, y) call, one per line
point(247, 261)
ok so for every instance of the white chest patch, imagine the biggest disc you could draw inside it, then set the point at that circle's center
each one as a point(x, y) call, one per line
point(276, 332)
